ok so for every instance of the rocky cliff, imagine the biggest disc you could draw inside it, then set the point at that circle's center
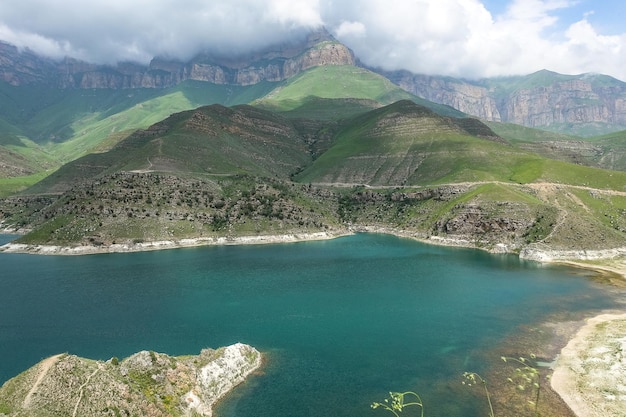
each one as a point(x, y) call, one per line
point(583, 104)
point(276, 63)
point(144, 384)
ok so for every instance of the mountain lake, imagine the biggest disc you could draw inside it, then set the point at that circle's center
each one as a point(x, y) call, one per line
point(341, 322)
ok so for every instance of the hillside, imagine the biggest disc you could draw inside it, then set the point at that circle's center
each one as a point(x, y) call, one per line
point(52, 112)
point(219, 173)
point(146, 383)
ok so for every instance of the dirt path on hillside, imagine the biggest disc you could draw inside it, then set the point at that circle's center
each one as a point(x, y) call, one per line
point(44, 367)
point(81, 389)
point(537, 186)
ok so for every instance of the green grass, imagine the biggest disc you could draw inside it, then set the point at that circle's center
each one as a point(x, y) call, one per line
point(517, 133)
point(400, 145)
point(13, 185)
point(340, 82)
point(66, 123)
point(415, 147)
point(93, 129)
point(507, 85)
point(318, 108)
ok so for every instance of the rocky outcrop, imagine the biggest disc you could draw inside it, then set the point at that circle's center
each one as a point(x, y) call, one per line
point(567, 102)
point(276, 63)
point(147, 384)
point(463, 96)
point(587, 103)
point(487, 224)
point(23, 67)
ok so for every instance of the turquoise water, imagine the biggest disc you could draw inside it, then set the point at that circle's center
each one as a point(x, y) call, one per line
point(342, 321)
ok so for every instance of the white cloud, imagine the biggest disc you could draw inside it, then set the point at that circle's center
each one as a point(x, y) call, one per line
point(295, 12)
point(351, 29)
point(448, 37)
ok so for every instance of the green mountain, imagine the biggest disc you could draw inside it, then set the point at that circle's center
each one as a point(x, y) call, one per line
point(46, 127)
point(223, 173)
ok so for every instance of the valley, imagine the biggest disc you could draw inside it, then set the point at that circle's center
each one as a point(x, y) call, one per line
point(302, 142)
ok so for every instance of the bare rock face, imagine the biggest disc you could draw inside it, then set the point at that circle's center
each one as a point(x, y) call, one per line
point(147, 384)
point(463, 96)
point(573, 101)
point(541, 100)
point(22, 67)
point(276, 63)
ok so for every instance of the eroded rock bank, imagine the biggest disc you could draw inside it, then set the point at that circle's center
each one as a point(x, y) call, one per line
point(146, 384)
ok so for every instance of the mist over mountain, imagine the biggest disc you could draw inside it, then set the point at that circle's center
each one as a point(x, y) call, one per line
point(586, 104)
point(276, 63)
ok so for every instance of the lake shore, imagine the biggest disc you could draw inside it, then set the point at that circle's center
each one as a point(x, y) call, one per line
point(568, 379)
point(609, 261)
point(590, 373)
point(166, 244)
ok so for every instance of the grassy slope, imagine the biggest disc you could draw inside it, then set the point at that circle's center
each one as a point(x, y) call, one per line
point(613, 146)
point(208, 140)
point(403, 145)
point(521, 134)
point(606, 151)
point(66, 124)
point(338, 82)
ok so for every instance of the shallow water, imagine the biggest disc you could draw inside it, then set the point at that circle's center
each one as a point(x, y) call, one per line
point(342, 322)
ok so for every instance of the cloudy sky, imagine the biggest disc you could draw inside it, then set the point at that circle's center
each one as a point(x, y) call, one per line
point(466, 38)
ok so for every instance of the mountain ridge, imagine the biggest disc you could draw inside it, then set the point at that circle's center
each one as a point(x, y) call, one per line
point(273, 64)
point(584, 104)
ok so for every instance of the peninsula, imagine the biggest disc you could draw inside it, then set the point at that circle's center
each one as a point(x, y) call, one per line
point(146, 383)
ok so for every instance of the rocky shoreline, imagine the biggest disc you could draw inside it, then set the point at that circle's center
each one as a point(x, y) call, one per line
point(146, 383)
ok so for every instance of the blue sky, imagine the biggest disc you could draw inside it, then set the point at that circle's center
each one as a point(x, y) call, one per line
point(462, 38)
point(606, 15)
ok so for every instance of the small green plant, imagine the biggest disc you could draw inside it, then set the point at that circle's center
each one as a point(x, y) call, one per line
point(471, 379)
point(526, 375)
point(397, 402)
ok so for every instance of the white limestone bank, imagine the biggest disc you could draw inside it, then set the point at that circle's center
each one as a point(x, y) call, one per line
point(543, 253)
point(164, 244)
point(146, 383)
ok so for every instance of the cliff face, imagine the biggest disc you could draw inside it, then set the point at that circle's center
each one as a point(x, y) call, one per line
point(567, 102)
point(583, 104)
point(145, 384)
point(273, 64)
point(463, 96)
point(18, 68)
